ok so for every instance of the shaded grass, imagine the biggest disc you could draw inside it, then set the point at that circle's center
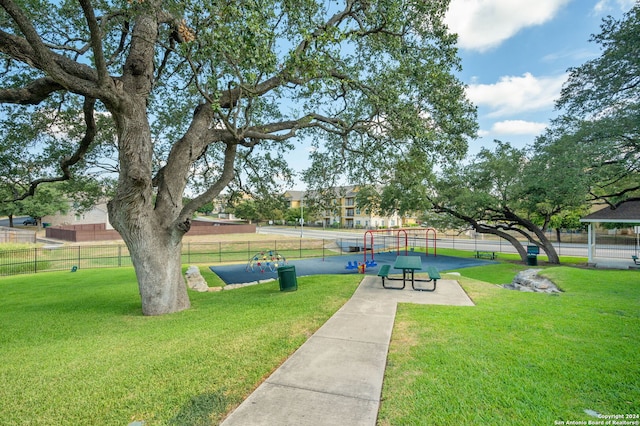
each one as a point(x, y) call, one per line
point(518, 358)
point(74, 348)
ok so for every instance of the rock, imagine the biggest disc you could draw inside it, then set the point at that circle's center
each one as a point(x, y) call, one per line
point(234, 286)
point(529, 280)
point(195, 281)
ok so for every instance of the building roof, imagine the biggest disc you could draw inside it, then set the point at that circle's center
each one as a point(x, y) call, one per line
point(627, 212)
point(294, 195)
point(338, 191)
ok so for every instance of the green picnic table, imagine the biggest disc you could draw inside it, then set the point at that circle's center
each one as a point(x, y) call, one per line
point(409, 264)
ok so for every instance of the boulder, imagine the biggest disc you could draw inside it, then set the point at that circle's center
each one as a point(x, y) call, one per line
point(195, 281)
point(529, 280)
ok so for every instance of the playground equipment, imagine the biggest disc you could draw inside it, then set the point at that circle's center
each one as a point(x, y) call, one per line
point(398, 233)
point(266, 261)
point(361, 267)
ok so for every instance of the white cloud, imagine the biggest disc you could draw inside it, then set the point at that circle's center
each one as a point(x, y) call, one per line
point(518, 127)
point(604, 6)
point(484, 24)
point(515, 94)
point(574, 55)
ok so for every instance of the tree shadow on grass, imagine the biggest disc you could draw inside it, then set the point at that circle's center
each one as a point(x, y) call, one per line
point(198, 411)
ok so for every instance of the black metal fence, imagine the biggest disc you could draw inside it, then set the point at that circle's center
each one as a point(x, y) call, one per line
point(608, 245)
point(49, 258)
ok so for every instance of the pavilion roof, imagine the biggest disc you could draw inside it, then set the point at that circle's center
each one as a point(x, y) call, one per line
point(627, 212)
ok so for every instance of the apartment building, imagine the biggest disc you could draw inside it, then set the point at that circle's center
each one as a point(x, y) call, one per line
point(341, 209)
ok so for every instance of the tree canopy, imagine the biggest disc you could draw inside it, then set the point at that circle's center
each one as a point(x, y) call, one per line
point(510, 193)
point(203, 95)
point(599, 127)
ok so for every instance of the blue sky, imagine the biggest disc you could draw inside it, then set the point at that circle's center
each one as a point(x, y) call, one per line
point(515, 55)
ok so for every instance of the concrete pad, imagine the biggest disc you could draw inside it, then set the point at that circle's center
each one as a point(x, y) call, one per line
point(362, 328)
point(448, 292)
point(364, 303)
point(279, 405)
point(336, 366)
point(608, 263)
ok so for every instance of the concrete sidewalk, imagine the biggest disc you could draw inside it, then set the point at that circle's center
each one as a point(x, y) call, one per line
point(335, 377)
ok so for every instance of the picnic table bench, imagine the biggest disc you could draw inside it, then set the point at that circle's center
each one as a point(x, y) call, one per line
point(384, 273)
point(434, 276)
point(485, 254)
point(635, 260)
point(409, 266)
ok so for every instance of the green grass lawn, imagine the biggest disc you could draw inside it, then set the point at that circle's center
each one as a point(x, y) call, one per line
point(518, 358)
point(75, 349)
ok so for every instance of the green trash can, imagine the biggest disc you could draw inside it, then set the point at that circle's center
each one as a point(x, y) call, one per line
point(287, 278)
point(532, 260)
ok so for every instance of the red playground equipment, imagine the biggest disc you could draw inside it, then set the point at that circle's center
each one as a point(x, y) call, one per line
point(398, 233)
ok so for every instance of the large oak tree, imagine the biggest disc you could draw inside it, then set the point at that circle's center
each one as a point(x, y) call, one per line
point(201, 94)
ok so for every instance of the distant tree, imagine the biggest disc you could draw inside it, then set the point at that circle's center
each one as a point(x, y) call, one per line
point(261, 209)
point(247, 210)
point(46, 201)
point(322, 202)
point(294, 214)
point(273, 206)
point(568, 220)
point(8, 208)
point(206, 208)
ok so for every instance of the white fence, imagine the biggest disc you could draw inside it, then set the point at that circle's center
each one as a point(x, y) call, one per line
point(14, 235)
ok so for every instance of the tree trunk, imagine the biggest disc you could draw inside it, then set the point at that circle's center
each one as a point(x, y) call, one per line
point(552, 255)
point(156, 257)
point(545, 244)
point(155, 247)
point(484, 229)
point(154, 238)
point(155, 250)
point(538, 234)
